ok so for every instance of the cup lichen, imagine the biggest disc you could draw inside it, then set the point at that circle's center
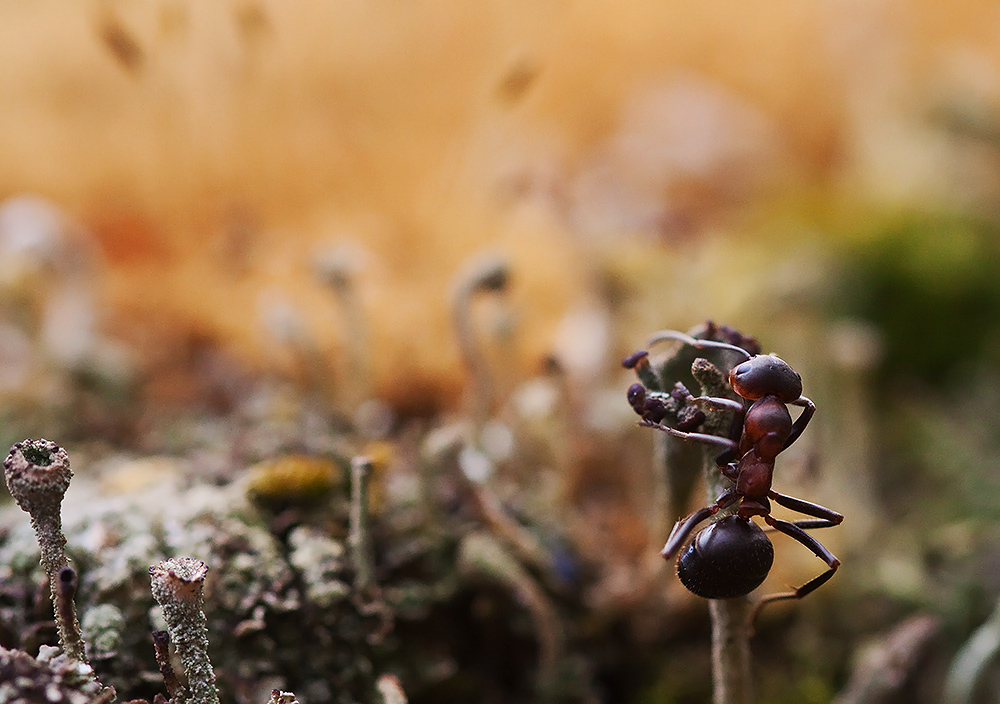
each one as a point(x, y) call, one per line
point(178, 586)
point(38, 474)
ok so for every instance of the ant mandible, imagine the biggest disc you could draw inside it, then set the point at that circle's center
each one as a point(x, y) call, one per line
point(732, 557)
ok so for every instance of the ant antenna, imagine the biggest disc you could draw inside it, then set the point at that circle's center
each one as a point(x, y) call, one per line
point(700, 344)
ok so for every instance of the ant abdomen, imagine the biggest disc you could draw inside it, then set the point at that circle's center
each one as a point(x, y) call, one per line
point(763, 375)
point(728, 559)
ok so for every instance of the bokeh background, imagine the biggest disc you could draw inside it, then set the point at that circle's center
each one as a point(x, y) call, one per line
point(201, 200)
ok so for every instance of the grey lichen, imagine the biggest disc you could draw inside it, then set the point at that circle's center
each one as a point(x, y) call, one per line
point(38, 474)
point(102, 625)
point(320, 560)
point(51, 677)
point(115, 538)
point(279, 697)
point(282, 607)
point(390, 690)
point(359, 538)
point(178, 586)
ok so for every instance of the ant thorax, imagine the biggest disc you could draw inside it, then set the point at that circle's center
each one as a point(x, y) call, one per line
point(766, 427)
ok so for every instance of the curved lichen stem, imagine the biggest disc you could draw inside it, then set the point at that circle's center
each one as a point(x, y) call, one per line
point(487, 275)
point(971, 660)
point(338, 269)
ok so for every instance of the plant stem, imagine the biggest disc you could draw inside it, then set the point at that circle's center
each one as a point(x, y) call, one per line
point(359, 538)
point(38, 474)
point(178, 586)
point(731, 681)
point(488, 274)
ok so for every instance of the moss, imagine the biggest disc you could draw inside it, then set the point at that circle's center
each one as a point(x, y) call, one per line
point(928, 283)
point(294, 479)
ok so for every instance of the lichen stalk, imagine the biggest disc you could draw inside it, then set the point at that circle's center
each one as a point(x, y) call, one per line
point(338, 270)
point(731, 680)
point(482, 554)
point(359, 537)
point(487, 275)
point(161, 648)
point(69, 626)
point(38, 474)
point(178, 586)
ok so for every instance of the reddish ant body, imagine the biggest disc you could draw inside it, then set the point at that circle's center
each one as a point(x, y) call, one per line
point(732, 556)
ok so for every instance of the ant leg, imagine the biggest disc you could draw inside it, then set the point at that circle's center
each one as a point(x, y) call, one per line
point(794, 531)
point(719, 402)
point(699, 344)
point(714, 401)
point(695, 437)
point(826, 517)
point(808, 408)
point(806, 524)
point(730, 470)
point(683, 528)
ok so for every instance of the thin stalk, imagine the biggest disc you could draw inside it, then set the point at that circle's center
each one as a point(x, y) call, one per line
point(731, 680)
point(178, 585)
point(482, 275)
point(359, 537)
point(38, 474)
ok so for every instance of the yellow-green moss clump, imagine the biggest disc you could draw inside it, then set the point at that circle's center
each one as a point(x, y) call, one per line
point(294, 479)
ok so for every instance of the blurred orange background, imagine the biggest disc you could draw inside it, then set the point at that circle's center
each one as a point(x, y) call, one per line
point(215, 150)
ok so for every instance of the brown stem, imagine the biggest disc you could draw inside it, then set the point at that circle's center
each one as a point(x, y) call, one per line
point(161, 647)
point(69, 628)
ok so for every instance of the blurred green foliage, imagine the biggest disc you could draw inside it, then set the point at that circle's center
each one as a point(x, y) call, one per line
point(930, 284)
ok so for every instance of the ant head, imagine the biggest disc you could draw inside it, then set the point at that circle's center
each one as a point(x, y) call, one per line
point(728, 559)
point(764, 375)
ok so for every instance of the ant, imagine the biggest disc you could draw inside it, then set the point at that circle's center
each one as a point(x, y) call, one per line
point(732, 556)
